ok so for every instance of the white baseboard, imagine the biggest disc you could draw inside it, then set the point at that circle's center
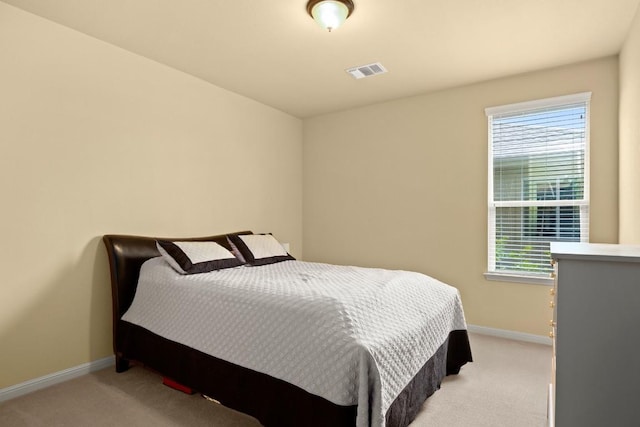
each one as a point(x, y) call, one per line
point(512, 335)
point(55, 378)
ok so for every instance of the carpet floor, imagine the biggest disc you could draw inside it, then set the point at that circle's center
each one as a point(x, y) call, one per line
point(506, 385)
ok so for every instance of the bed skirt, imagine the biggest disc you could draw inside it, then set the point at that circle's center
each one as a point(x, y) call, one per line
point(277, 403)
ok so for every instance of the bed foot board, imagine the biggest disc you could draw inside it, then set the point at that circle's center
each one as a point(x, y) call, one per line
point(122, 364)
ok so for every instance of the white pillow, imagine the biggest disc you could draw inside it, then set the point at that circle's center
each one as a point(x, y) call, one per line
point(196, 257)
point(260, 249)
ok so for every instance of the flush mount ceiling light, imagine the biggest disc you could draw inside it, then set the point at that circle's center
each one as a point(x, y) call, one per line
point(330, 14)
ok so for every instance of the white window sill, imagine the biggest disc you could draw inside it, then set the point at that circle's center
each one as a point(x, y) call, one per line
point(510, 277)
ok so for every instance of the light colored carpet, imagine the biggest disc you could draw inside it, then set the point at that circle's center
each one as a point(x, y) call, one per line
point(506, 385)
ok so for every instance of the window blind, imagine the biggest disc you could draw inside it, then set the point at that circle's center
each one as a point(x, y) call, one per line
point(538, 181)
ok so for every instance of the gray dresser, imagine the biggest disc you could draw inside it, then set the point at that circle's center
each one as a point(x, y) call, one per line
point(595, 328)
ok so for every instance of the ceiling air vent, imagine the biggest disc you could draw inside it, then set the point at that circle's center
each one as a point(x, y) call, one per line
point(368, 70)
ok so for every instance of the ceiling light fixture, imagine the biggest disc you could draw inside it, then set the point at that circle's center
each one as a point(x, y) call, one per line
point(330, 14)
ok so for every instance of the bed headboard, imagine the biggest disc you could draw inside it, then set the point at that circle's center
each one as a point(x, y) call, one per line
point(126, 256)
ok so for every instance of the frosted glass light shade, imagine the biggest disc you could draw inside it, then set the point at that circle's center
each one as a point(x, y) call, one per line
point(330, 14)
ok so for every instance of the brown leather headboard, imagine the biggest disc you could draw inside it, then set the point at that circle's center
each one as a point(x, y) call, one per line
point(126, 256)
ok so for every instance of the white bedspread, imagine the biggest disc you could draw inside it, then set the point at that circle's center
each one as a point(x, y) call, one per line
point(343, 333)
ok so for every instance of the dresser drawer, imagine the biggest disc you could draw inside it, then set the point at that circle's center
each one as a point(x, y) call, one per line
point(553, 332)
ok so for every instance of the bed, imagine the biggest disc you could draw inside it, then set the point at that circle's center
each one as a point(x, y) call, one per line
point(274, 400)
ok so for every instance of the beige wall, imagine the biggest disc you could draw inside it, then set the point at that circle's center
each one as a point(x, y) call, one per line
point(96, 140)
point(403, 185)
point(630, 136)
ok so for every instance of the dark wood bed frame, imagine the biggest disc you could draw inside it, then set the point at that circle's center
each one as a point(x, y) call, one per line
point(272, 401)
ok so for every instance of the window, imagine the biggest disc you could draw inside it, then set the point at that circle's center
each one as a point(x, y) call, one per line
point(538, 183)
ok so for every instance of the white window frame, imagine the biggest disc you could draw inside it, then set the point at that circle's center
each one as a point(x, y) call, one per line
point(491, 273)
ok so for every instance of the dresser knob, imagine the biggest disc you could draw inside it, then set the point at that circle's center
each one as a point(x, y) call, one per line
point(552, 322)
point(551, 334)
point(552, 304)
point(552, 291)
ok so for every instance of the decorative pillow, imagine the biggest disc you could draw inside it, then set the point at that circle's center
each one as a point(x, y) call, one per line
point(260, 249)
point(196, 257)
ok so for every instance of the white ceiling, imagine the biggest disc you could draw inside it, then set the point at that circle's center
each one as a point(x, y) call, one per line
point(273, 52)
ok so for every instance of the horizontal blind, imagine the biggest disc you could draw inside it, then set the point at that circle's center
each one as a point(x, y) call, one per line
point(538, 191)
